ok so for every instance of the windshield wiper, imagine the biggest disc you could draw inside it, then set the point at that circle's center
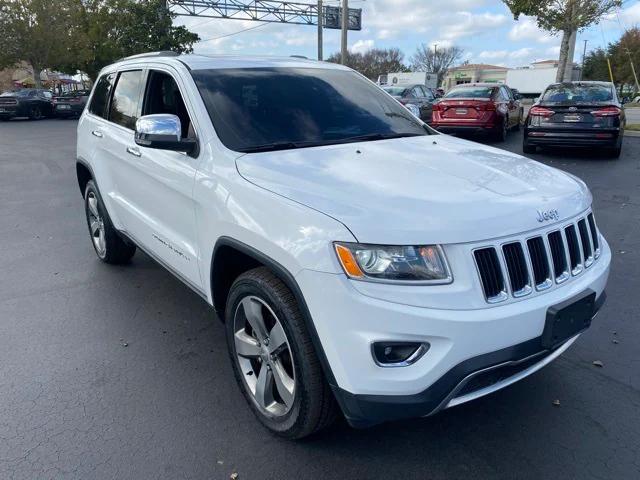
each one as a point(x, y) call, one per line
point(271, 147)
point(377, 136)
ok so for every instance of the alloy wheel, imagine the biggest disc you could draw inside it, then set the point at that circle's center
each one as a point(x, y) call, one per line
point(264, 357)
point(96, 225)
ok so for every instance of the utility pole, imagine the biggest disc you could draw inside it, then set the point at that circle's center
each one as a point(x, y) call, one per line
point(584, 54)
point(345, 29)
point(320, 27)
point(633, 69)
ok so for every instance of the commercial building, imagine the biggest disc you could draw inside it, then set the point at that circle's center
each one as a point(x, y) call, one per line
point(473, 73)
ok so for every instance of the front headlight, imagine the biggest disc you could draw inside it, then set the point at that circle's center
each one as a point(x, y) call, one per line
point(424, 264)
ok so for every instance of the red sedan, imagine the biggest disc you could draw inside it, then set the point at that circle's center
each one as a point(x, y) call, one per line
point(485, 108)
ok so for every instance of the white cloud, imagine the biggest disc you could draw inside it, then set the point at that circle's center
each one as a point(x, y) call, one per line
point(471, 24)
point(493, 54)
point(521, 53)
point(362, 46)
point(527, 29)
point(553, 52)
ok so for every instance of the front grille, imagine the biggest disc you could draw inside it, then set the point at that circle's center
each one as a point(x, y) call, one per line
point(539, 262)
point(516, 268)
point(558, 255)
point(490, 274)
point(8, 101)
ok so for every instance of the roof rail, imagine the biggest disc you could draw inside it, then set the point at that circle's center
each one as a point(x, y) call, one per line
point(299, 56)
point(162, 53)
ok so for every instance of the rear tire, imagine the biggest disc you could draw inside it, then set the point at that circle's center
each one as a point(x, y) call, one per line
point(501, 134)
point(613, 152)
point(258, 297)
point(107, 242)
point(527, 147)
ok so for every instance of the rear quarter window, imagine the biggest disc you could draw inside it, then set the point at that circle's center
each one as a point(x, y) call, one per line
point(101, 94)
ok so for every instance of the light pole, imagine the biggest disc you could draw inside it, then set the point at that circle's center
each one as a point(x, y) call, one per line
point(320, 27)
point(345, 28)
point(584, 54)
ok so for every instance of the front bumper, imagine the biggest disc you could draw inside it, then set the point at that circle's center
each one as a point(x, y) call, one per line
point(462, 343)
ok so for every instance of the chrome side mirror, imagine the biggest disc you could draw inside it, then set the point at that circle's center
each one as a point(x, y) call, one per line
point(162, 131)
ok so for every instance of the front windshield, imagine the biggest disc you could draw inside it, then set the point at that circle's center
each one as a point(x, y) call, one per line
point(261, 109)
point(577, 93)
point(16, 93)
point(470, 92)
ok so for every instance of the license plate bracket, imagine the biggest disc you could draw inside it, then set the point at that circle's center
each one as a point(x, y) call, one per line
point(568, 318)
point(572, 118)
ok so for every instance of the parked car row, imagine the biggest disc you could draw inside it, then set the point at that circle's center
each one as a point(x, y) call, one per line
point(35, 103)
point(575, 114)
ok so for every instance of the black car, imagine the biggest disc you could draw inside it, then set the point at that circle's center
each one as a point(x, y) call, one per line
point(576, 114)
point(417, 98)
point(70, 104)
point(27, 102)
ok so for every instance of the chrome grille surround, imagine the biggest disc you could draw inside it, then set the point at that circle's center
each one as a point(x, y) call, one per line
point(549, 258)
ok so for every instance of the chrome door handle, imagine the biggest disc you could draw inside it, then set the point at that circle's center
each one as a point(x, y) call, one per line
point(134, 151)
point(96, 133)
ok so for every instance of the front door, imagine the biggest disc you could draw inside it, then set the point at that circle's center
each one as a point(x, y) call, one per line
point(155, 187)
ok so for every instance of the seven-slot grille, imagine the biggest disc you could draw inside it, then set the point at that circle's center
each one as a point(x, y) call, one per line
point(516, 268)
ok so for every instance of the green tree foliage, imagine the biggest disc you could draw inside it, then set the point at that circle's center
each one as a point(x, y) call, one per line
point(36, 31)
point(566, 17)
point(111, 29)
point(621, 54)
point(86, 35)
point(374, 62)
point(595, 66)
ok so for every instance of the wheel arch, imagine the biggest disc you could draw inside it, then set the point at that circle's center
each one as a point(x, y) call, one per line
point(84, 173)
point(231, 258)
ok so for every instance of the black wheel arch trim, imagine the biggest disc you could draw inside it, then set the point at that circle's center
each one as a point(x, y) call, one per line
point(84, 163)
point(289, 280)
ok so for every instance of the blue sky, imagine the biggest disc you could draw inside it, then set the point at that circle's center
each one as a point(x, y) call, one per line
point(485, 29)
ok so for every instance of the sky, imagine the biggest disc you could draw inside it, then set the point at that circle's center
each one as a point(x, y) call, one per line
point(484, 29)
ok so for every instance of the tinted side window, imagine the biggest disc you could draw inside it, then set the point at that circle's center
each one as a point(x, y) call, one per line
point(417, 92)
point(100, 98)
point(126, 97)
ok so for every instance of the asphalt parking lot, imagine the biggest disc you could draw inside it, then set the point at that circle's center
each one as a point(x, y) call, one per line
point(122, 372)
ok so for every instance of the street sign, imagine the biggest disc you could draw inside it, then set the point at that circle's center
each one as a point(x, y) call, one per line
point(333, 18)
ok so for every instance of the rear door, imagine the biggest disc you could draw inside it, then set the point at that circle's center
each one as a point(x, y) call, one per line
point(425, 102)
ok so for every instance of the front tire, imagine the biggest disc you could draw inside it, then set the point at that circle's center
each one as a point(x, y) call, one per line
point(107, 243)
point(35, 113)
point(273, 357)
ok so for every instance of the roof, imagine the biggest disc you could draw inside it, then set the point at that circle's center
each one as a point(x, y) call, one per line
point(483, 66)
point(479, 84)
point(544, 61)
point(202, 62)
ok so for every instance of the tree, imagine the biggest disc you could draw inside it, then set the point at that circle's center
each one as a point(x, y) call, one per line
point(625, 53)
point(595, 66)
point(107, 30)
point(436, 61)
point(374, 62)
point(566, 17)
point(36, 31)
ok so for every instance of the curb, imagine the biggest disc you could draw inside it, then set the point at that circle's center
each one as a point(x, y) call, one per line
point(631, 133)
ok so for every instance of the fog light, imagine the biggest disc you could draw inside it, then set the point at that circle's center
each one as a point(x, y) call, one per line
point(398, 354)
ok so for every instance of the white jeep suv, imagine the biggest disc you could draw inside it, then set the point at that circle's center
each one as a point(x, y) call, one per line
point(361, 262)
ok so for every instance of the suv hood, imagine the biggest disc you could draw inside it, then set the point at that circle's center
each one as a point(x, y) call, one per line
point(431, 189)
